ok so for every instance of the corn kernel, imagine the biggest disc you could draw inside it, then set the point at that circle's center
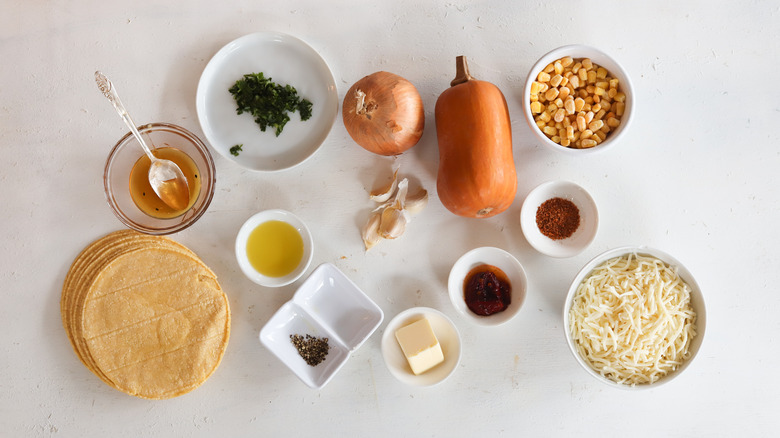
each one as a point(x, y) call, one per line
point(602, 136)
point(588, 143)
point(591, 77)
point(613, 122)
point(600, 114)
point(569, 106)
point(535, 87)
point(541, 124)
point(562, 133)
point(605, 104)
point(576, 67)
point(583, 75)
point(559, 115)
point(613, 83)
point(551, 94)
point(565, 142)
point(556, 139)
point(620, 97)
point(558, 67)
point(566, 61)
point(581, 123)
point(564, 81)
point(566, 122)
point(548, 68)
point(578, 103)
point(596, 107)
point(620, 107)
point(586, 134)
point(549, 130)
point(612, 93)
point(543, 77)
point(589, 116)
point(543, 88)
point(536, 107)
point(564, 93)
point(545, 117)
point(534, 98)
point(558, 102)
point(595, 125)
point(570, 132)
point(598, 91)
point(587, 63)
point(556, 80)
point(601, 73)
point(574, 81)
point(552, 108)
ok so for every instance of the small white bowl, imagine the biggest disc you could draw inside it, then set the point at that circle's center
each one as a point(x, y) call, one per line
point(602, 59)
point(327, 304)
point(445, 332)
point(250, 225)
point(582, 237)
point(697, 302)
point(488, 256)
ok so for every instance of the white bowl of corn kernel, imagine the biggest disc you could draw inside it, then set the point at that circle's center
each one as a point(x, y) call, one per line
point(578, 99)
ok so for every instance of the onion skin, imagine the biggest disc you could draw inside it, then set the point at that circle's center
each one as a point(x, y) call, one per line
point(389, 118)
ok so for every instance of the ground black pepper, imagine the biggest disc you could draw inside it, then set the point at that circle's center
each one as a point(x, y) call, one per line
point(558, 218)
point(312, 349)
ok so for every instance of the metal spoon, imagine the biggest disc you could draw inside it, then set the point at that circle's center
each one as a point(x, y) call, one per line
point(165, 177)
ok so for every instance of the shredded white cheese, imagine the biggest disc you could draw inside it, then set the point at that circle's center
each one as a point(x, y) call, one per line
point(632, 319)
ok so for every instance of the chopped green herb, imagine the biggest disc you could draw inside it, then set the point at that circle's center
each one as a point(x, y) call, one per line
point(236, 149)
point(268, 102)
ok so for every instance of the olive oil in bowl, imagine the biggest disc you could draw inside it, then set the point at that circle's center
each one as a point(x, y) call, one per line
point(274, 248)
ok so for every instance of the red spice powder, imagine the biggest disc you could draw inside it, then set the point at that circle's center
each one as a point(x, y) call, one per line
point(558, 218)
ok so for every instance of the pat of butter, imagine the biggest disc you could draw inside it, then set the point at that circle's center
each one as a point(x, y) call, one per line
point(420, 346)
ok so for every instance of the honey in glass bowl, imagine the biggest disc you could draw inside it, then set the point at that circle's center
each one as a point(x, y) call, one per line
point(144, 196)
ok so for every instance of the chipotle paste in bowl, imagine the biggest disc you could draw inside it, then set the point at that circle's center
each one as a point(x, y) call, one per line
point(487, 290)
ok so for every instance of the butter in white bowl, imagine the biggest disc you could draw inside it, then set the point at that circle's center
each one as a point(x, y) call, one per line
point(420, 346)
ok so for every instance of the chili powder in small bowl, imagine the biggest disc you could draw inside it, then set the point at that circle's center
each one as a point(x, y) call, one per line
point(559, 219)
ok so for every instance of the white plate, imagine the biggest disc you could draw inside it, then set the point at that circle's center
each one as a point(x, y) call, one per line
point(488, 256)
point(445, 332)
point(328, 304)
point(286, 60)
point(583, 235)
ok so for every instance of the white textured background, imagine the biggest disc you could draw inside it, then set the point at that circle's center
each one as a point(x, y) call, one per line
point(696, 177)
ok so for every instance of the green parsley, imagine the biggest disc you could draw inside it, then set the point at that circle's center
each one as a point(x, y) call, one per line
point(236, 149)
point(268, 102)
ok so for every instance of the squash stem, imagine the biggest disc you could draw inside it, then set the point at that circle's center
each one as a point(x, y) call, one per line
point(462, 71)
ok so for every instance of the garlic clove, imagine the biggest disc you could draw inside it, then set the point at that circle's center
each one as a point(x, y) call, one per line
point(393, 223)
point(383, 194)
point(415, 203)
point(370, 230)
point(400, 197)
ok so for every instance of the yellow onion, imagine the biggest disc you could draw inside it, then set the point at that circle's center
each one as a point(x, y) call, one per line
point(383, 113)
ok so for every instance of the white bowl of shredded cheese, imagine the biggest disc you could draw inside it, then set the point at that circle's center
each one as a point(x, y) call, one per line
point(634, 317)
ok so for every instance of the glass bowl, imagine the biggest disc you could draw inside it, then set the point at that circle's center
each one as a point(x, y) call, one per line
point(116, 177)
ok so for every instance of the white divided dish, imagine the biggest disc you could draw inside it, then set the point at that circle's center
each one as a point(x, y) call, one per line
point(327, 304)
point(447, 335)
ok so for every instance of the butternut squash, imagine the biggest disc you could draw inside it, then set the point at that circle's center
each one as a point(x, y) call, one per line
point(477, 176)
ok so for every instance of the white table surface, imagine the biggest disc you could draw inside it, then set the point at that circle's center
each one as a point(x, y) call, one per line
point(695, 178)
